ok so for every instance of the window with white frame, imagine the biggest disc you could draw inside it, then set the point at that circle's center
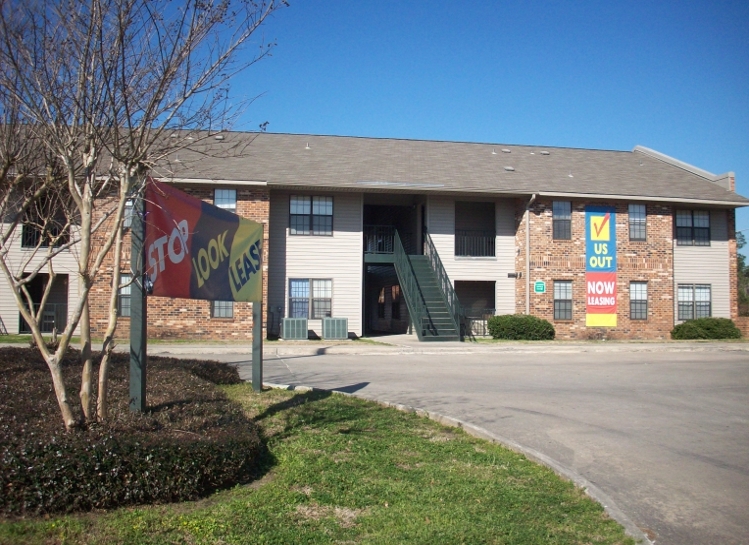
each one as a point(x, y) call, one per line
point(123, 295)
point(310, 215)
point(222, 309)
point(638, 300)
point(127, 220)
point(637, 222)
point(226, 199)
point(314, 303)
point(693, 228)
point(561, 214)
point(694, 301)
point(562, 299)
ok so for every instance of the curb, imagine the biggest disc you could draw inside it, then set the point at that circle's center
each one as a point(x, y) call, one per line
point(476, 431)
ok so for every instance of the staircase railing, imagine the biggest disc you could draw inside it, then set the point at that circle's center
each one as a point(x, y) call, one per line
point(409, 286)
point(448, 291)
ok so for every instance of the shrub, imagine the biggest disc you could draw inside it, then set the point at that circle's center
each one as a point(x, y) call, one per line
point(520, 327)
point(706, 328)
point(190, 442)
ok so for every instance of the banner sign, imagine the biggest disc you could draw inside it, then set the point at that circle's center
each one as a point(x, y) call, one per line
point(195, 250)
point(600, 266)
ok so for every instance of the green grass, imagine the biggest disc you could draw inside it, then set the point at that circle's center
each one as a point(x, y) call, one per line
point(343, 470)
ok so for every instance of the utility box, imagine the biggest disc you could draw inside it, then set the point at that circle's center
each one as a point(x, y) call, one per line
point(294, 329)
point(335, 328)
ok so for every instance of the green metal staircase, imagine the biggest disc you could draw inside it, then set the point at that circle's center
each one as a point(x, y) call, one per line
point(430, 297)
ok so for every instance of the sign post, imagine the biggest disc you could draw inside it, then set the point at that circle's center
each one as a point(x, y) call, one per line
point(138, 312)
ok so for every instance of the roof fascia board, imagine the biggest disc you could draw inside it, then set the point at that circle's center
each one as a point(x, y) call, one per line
point(682, 165)
point(729, 204)
point(209, 181)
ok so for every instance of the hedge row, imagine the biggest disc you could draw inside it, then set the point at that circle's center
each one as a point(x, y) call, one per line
point(190, 442)
point(520, 327)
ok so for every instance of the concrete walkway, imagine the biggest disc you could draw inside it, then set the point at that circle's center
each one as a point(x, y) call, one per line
point(657, 431)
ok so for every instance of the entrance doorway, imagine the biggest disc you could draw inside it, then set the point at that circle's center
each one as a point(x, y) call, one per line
point(55, 313)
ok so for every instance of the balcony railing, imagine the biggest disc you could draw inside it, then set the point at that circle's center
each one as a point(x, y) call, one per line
point(476, 322)
point(379, 239)
point(475, 243)
point(54, 316)
point(33, 236)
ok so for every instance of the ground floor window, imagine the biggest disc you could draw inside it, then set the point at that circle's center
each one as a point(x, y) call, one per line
point(562, 299)
point(638, 300)
point(123, 295)
point(381, 304)
point(395, 293)
point(314, 303)
point(695, 301)
point(222, 309)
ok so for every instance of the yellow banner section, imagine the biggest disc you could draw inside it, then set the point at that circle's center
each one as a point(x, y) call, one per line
point(245, 262)
point(600, 320)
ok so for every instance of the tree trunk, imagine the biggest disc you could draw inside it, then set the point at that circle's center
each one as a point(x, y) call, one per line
point(102, 406)
point(61, 392)
point(87, 375)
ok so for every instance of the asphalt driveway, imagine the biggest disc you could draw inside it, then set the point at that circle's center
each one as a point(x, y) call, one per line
point(661, 430)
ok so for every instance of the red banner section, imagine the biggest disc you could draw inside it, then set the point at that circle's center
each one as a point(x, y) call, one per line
point(600, 298)
point(195, 250)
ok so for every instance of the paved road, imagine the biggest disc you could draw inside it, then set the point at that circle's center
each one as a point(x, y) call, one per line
point(661, 430)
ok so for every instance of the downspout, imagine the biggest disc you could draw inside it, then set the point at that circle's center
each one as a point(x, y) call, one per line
point(528, 254)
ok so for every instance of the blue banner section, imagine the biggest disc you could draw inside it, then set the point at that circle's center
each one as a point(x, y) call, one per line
point(600, 239)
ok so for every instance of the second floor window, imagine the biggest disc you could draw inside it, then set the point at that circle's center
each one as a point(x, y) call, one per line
point(310, 215)
point(562, 220)
point(226, 199)
point(692, 228)
point(637, 222)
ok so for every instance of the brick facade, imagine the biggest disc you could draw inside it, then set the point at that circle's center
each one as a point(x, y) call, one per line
point(186, 318)
point(649, 261)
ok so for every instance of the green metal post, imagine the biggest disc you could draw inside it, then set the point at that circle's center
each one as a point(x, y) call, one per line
point(138, 311)
point(257, 346)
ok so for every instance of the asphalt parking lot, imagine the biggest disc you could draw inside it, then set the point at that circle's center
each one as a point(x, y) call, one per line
point(660, 432)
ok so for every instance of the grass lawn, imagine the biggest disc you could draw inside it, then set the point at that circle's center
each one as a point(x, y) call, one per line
point(343, 470)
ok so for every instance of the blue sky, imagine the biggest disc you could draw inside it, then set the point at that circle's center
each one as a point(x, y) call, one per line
point(672, 76)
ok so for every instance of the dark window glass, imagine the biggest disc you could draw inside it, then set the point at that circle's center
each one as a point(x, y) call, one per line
point(637, 222)
point(562, 220)
point(310, 215)
point(693, 228)
point(562, 299)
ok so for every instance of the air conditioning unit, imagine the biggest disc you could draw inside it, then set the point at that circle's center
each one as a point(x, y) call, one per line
point(294, 329)
point(335, 328)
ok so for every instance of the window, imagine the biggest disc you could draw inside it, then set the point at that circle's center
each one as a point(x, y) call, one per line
point(637, 222)
point(395, 292)
point(562, 220)
point(638, 300)
point(311, 215)
point(692, 228)
point(123, 295)
point(562, 299)
point(694, 301)
point(222, 309)
point(226, 199)
point(318, 306)
point(127, 220)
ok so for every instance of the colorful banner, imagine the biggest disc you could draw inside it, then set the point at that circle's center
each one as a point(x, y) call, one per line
point(600, 266)
point(195, 250)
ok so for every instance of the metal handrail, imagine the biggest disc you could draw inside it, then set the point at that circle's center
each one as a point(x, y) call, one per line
point(448, 291)
point(378, 239)
point(409, 286)
point(475, 243)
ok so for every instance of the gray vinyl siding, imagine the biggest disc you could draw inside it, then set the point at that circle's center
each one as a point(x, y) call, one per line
point(441, 226)
point(706, 265)
point(63, 264)
point(337, 257)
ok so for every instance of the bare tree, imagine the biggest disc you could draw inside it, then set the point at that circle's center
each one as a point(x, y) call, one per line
point(104, 90)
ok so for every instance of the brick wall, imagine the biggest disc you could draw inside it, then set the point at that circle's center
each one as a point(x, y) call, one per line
point(185, 318)
point(650, 261)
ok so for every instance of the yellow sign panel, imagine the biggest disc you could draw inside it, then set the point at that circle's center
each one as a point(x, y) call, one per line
point(600, 227)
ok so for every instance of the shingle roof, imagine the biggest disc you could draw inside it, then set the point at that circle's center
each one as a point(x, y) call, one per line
point(371, 164)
